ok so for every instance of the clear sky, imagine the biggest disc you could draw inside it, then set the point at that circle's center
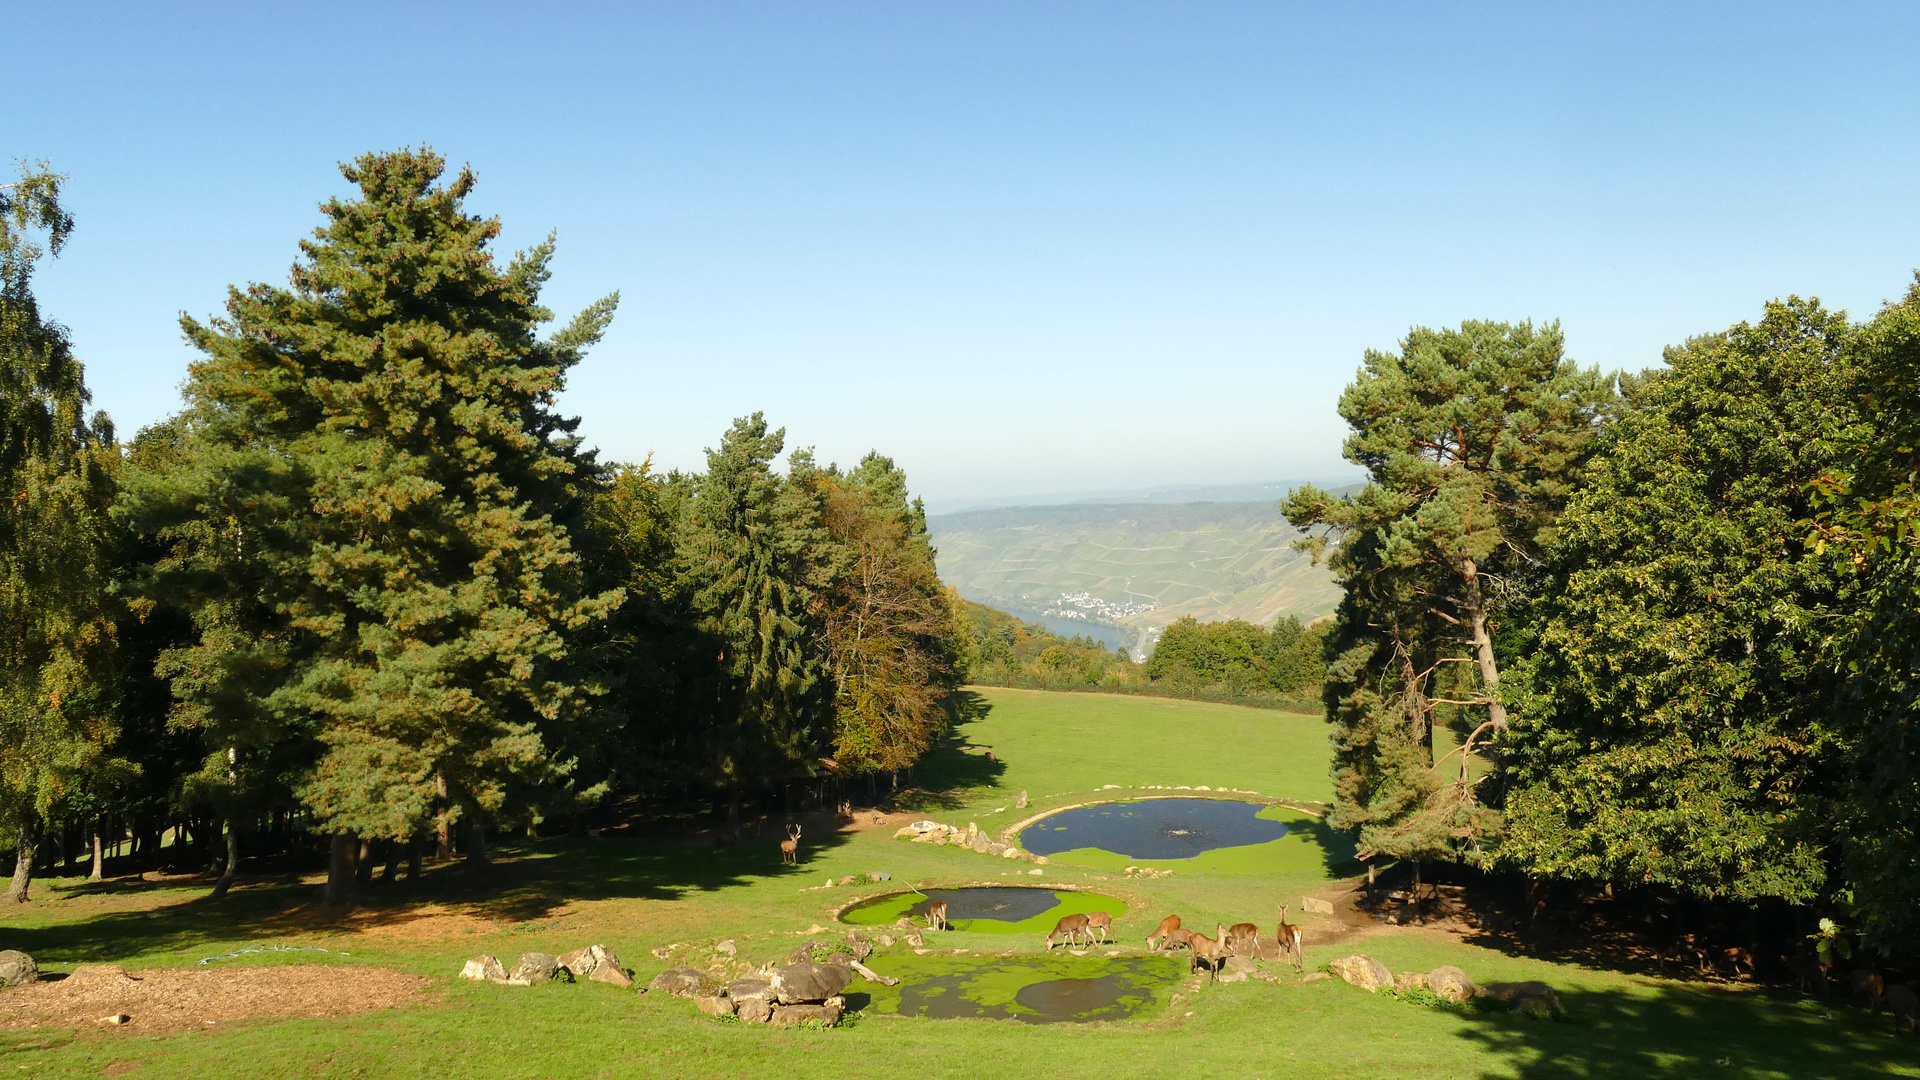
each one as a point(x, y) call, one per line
point(1021, 247)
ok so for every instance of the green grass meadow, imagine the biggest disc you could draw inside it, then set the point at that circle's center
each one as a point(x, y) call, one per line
point(1062, 749)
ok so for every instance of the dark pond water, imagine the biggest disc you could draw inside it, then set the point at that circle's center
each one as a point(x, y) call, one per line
point(1153, 828)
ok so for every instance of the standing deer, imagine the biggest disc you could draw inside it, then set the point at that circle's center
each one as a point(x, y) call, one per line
point(1069, 927)
point(790, 847)
point(1210, 950)
point(1162, 934)
point(1101, 921)
point(1243, 939)
point(937, 916)
point(1867, 983)
point(1290, 941)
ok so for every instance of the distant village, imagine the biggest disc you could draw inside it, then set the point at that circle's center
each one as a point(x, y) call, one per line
point(1091, 608)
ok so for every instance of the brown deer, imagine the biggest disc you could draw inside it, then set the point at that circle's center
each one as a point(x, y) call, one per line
point(1160, 933)
point(1101, 921)
point(1735, 956)
point(1179, 938)
point(1243, 939)
point(1867, 983)
point(1209, 950)
point(937, 916)
point(1069, 927)
point(1290, 941)
point(790, 847)
point(1905, 1006)
point(1808, 973)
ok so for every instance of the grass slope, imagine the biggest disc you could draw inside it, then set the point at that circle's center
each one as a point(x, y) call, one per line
point(1209, 560)
point(632, 895)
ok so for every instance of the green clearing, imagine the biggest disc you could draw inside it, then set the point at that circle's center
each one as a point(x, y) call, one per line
point(557, 894)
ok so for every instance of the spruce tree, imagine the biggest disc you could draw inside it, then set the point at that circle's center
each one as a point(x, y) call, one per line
point(1473, 439)
point(378, 444)
point(57, 619)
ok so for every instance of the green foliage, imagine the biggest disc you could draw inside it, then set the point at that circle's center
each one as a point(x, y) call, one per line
point(1001, 650)
point(1284, 659)
point(1677, 725)
point(1473, 438)
point(363, 512)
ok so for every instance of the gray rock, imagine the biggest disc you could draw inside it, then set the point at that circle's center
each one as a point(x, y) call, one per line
point(744, 989)
point(1021, 802)
point(1316, 976)
point(799, 983)
point(801, 955)
point(1233, 977)
point(535, 967)
point(715, 1006)
point(484, 968)
point(914, 939)
point(981, 843)
point(880, 876)
point(1409, 980)
point(1454, 985)
point(17, 968)
point(582, 963)
point(857, 941)
point(727, 948)
point(793, 1014)
point(1362, 971)
point(1316, 906)
point(1241, 964)
point(753, 1010)
point(612, 974)
point(686, 982)
point(1529, 997)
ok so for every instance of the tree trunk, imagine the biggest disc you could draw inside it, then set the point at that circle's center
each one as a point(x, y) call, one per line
point(475, 840)
point(221, 886)
point(99, 869)
point(392, 869)
point(340, 860)
point(363, 865)
point(23, 862)
point(1483, 646)
point(413, 860)
point(444, 849)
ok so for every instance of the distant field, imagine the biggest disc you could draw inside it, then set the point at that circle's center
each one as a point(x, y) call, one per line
point(1209, 560)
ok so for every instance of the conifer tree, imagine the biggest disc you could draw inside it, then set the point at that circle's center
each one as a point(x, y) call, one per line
point(57, 620)
point(1472, 438)
point(748, 553)
point(377, 444)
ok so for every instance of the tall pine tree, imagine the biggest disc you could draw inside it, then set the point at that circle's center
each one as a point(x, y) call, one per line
point(379, 442)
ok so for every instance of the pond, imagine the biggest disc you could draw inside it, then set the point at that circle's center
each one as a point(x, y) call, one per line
point(1155, 828)
point(990, 909)
point(1031, 989)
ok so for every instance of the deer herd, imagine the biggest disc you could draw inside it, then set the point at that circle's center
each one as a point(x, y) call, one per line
point(1240, 939)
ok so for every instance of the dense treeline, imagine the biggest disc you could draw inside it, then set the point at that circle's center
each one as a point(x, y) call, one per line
point(369, 591)
point(1232, 661)
point(1665, 622)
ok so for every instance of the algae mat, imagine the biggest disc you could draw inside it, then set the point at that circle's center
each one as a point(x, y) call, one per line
point(1056, 989)
point(987, 909)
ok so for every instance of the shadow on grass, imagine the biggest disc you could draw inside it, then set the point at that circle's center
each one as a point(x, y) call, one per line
point(527, 881)
point(956, 767)
point(1692, 1032)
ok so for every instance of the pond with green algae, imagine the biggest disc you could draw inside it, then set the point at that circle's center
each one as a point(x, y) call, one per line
point(986, 909)
point(1046, 989)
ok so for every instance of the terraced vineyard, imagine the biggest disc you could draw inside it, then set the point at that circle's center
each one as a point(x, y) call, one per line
point(1210, 560)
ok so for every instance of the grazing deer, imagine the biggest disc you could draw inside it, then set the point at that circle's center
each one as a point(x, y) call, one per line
point(1905, 1006)
point(790, 847)
point(1209, 950)
point(1290, 941)
point(1101, 921)
point(1179, 937)
point(1867, 983)
point(1243, 939)
point(937, 916)
point(1069, 927)
point(1160, 935)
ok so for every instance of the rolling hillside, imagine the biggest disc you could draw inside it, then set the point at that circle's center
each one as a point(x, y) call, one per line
point(1099, 565)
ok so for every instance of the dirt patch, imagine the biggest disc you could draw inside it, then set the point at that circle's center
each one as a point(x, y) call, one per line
point(171, 999)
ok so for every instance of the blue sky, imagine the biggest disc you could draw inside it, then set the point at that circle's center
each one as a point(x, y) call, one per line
point(1020, 247)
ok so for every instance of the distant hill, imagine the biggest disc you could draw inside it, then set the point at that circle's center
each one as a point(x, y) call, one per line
point(1099, 565)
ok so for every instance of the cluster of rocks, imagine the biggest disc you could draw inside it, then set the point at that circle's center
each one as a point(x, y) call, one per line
point(595, 963)
point(933, 832)
point(1446, 982)
point(1147, 872)
point(804, 988)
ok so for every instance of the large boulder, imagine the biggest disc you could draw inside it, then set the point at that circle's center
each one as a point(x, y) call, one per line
point(17, 968)
point(752, 999)
point(1409, 980)
point(582, 963)
point(1527, 997)
point(1313, 905)
point(799, 983)
point(980, 842)
point(828, 1014)
point(686, 982)
point(857, 941)
point(484, 968)
point(612, 974)
point(715, 1006)
point(1450, 983)
point(1362, 971)
point(801, 955)
point(535, 967)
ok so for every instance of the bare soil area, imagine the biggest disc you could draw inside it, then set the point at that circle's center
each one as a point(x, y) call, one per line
point(159, 1000)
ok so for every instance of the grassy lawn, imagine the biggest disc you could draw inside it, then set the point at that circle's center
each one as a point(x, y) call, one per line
point(634, 895)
